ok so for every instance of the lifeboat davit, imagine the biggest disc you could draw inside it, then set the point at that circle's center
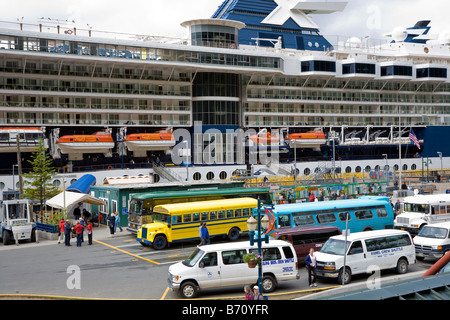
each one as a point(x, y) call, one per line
point(264, 137)
point(28, 139)
point(307, 140)
point(99, 142)
point(140, 143)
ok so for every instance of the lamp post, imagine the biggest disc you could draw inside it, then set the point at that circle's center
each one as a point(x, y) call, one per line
point(260, 225)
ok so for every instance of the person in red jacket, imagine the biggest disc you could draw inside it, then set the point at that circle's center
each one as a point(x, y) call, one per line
point(89, 232)
point(61, 230)
point(79, 232)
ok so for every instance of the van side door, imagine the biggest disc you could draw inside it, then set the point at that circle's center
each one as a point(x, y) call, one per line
point(208, 272)
point(234, 270)
point(356, 258)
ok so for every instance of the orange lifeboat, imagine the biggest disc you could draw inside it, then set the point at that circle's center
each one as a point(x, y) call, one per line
point(308, 140)
point(265, 138)
point(99, 142)
point(142, 142)
point(28, 139)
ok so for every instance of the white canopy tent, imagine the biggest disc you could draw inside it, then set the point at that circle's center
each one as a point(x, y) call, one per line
point(72, 198)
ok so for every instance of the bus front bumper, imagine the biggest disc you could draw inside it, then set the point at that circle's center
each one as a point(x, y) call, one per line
point(144, 241)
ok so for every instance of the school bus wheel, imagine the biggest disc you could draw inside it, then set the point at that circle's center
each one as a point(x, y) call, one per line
point(233, 234)
point(160, 242)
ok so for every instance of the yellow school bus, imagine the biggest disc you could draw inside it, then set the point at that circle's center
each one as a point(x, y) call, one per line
point(181, 221)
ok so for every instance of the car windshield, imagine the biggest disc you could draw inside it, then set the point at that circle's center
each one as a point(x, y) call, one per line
point(336, 247)
point(433, 232)
point(193, 258)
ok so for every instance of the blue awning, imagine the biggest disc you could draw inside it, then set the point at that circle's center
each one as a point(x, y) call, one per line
point(83, 185)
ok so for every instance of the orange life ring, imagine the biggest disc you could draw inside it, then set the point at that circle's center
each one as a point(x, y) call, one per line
point(110, 167)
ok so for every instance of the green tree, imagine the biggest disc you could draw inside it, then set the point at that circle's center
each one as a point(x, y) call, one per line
point(38, 181)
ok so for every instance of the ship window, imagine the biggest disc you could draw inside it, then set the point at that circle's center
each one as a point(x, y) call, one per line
point(365, 68)
point(431, 73)
point(322, 66)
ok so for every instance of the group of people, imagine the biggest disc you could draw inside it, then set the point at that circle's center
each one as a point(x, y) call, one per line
point(66, 229)
point(114, 223)
point(255, 295)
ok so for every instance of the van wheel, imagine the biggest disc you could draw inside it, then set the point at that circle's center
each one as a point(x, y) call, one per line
point(269, 284)
point(233, 235)
point(188, 290)
point(160, 242)
point(347, 276)
point(402, 266)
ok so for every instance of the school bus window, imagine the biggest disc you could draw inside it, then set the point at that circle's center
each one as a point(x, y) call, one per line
point(196, 217)
point(187, 218)
point(238, 213)
point(229, 213)
point(205, 216)
point(304, 220)
point(222, 214)
point(381, 213)
point(326, 218)
point(213, 215)
point(363, 214)
point(246, 212)
point(177, 219)
point(342, 216)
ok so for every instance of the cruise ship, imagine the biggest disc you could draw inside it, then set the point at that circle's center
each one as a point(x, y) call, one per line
point(257, 75)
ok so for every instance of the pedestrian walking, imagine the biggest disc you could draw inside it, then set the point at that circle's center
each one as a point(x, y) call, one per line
point(111, 220)
point(311, 265)
point(79, 232)
point(200, 233)
point(89, 232)
point(61, 230)
point(248, 293)
point(205, 234)
point(67, 233)
point(117, 223)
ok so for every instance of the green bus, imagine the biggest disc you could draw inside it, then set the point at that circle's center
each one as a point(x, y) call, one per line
point(141, 207)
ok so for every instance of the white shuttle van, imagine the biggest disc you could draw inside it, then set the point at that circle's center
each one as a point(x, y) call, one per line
point(222, 265)
point(385, 249)
point(433, 241)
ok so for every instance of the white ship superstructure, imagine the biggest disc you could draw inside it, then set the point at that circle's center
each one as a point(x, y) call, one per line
point(230, 75)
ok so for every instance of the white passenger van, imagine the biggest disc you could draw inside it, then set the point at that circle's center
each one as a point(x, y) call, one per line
point(419, 211)
point(433, 241)
point(385, 249)
point(222, 265)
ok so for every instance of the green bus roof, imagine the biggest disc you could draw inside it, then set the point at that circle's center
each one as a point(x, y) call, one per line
point(193, 193)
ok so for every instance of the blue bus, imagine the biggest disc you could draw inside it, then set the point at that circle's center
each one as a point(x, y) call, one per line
point(365, 214)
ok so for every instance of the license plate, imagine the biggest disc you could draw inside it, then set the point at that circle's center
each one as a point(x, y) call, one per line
point(402, 229)
point(419, 255)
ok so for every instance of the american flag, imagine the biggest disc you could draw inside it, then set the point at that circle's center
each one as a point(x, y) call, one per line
point(413, 138)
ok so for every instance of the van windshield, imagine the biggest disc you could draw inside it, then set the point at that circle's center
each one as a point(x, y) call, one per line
point(336, 247)
point(193, 258)
point(433, 232)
